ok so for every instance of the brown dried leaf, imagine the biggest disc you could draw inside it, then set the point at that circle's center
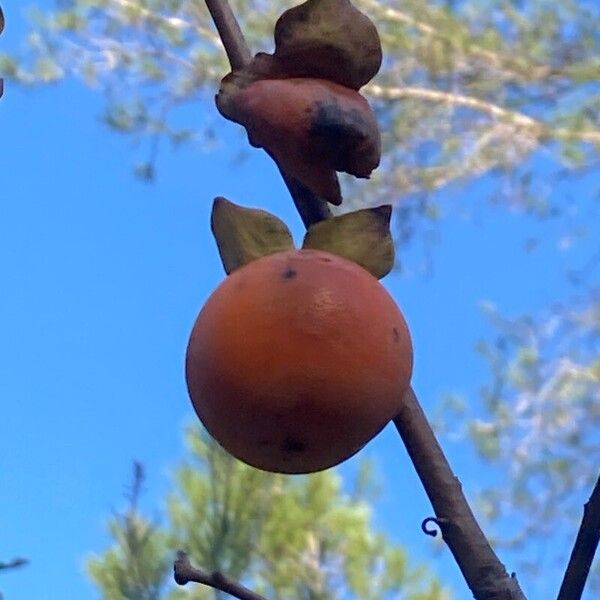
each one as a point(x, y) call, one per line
point(245, 234)
point(362, 236)
point(328, 39)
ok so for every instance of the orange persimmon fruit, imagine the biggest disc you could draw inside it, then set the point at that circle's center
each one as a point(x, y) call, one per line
point(297, 360)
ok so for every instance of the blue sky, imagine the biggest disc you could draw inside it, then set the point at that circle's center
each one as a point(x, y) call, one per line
point(101, 279)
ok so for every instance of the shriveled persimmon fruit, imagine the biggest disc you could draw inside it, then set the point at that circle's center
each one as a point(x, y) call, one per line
point(311, 127)
point(297, 360)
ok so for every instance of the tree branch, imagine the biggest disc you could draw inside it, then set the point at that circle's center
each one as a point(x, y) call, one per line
point(185, 573)
point(511, 66)
point(493, 110)
point(1, 29)
point(15, 563)
point(586, 544)
point(231, 35)
point(539, 129)
point(485, 575)
point(310, 207)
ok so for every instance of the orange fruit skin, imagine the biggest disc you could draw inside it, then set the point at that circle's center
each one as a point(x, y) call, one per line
point(297, 360)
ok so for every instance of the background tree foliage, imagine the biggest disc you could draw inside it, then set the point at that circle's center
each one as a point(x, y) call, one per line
point(502, 89)
point(286, 537)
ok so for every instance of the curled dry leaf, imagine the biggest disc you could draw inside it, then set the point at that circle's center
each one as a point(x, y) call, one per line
point(245, 234)
point(362, 236)
point(311, 127)
point(328, 39)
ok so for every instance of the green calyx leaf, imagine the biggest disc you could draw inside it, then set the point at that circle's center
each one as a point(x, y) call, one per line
point(245, 234)
point(328, 39)
point(362, 236)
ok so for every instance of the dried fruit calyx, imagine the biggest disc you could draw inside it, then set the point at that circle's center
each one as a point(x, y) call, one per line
point(247, 234)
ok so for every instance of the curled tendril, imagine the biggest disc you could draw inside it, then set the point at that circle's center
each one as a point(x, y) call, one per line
point(429, 530)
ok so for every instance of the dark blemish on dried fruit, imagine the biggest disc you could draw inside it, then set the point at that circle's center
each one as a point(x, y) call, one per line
point(289, 273)
point(293, 445)
point(396, 334)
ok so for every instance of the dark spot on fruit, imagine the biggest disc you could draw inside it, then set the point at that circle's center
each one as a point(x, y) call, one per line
point(396, 334)
point(289, 273)
point(293, 445)
point(324, 259)
point(337, 131)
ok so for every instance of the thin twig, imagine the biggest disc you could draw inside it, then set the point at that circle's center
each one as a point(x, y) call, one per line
point(231, 35)
point(185, 573)
point(586, 544)
point(15, 563)
point(493, 110)
point(1, 30)
point(499, 60)
point(310, 207)
point(485, 575)
point(539, 129)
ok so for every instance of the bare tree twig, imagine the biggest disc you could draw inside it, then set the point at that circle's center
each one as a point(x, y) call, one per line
point(586, 544)
point(186, 573)
point(1, 29)
point(493, 110)
point(232, 37)
point(485, 575)
point(15, 563)
point(500, 60)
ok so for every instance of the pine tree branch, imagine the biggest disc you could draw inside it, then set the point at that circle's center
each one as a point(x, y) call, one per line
point(485, 575)
point(310, 207)
point(586, 544)
point(185, 573)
